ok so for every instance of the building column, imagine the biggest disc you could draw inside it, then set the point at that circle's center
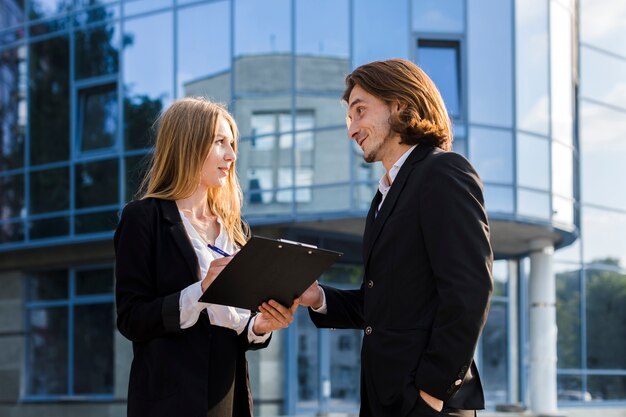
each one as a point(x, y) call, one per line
point(543, 330)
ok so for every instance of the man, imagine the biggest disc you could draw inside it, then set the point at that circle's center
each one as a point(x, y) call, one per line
point(426, 252)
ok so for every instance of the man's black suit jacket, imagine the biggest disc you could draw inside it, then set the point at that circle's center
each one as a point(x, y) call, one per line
point(426, 288)
point(175, 372)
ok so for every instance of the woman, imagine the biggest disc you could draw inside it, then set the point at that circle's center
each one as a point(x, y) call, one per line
point(189, 357)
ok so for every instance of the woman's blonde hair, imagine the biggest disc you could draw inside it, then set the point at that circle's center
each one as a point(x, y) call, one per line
point(185, 135)
point(424, 118)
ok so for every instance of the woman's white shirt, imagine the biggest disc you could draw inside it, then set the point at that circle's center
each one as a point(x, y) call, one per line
point(219, 315)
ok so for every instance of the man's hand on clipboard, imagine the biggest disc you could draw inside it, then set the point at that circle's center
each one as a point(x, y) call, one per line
point(312, 296)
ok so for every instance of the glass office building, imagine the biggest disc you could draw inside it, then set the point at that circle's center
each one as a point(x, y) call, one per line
point(537, 93)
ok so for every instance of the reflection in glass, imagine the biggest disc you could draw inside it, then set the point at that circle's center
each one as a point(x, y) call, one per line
point(136, 167)
point(568, 316)
point(49, 190)
point(93, 349)
point(570, 388)
point(262, 27)
point(533, 162)
point(11, 232)
point(491, 152)
point(609, 387)
point(498, 199)
point(494, 354)
point(491, 102)
point(132, 7)
point(345, 366)
point(606, 315)
point(562, 170)
point(603, 77)
point(561, 76)
point(322, 28)
point(604, 151)
point(533, 204)
point(11, 197)
point(12, 106)
point(603, 234)
point(327, 199)
point(602, 24)
point(308, 360)
point(97, 183)
point(441, 61)
point(49, 227)
point(148, 87)
point(48, 8)
point(46, 356)
point(211, 52)
point(500, 278)
point(13, 13)
point(48, 285)
point(49, 105)
point(98, 117)
point(94, 281)
point(104, 221)
point(97, 51)
point(387, 38)
point(563, 210)
point(532, 83)
point(446, 16)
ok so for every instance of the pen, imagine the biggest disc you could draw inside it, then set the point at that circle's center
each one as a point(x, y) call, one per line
point(216, 249)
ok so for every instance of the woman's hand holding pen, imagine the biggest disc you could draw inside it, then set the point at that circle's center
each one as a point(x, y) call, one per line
point(214, 269)
point(274, 316)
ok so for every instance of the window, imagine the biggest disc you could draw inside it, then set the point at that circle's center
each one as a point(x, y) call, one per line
point(441, 60)
point(70, 331)
point(97, 117)
point(271, 158)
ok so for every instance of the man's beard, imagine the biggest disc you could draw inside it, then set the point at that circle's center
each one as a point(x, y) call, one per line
point(373, 155)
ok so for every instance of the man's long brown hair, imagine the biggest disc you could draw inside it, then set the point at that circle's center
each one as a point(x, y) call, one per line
point(423, 118)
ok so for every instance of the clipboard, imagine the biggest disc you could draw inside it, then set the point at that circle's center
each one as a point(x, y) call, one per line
point(267, 269)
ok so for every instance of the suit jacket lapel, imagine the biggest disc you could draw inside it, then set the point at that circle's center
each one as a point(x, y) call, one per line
point(369, 221)
point(177, 229)
point(371, 233)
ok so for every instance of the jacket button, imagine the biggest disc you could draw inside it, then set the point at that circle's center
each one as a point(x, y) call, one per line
point(368, 330)
point(458, 382)
point(370, 283)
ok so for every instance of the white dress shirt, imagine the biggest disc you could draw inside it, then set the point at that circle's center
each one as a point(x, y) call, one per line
point(219, 315)
point(384, 184)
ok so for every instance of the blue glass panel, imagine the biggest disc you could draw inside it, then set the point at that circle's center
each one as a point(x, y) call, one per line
point(441, 61)
point(49, 227)
point(98, 117)
point(97, 51)
point(380, 30)
point(97, 183)
point(322, 28)
point(490, 62)
point(607, 387)
point(12, 13)
point(105, 221)
point(533, 204)
point(603, 234)
point(498, 199)
point(262, 27)
point(568, 317)
point(532, 79)
point(132, 7)
point(308, 361)
point(200, 69)
point(49, 190)
point(47, 8)
point(602, 24)
point(562, 170)
point(533, 162)
point(603, 77)
point(494, 363)
point(561, 76)
point(12, 96)
point(438, 15)
point(491, 152)
point(11, 197)
point(147, 87)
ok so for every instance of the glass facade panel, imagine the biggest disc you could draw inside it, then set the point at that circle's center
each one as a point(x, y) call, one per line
point(98, 117)
point(94, 325)
point(322, 29)
point(387, 38)
point(562, 170)
point(605, 387)
point(11, 232)
point(441, 60)
point(563, 210)
point(533, 162)
point(491, 152)
point(49, 100)
point(603, 234)
point(48, 285)
point(262, 28)
point(132, 7)
point(197, 67)
point(308, 360)
point(570, 388)
point(568, 305)
point(97, 51)
point(561, 78)
point(97, 183)
point(494, 363)
point(11, 13)
point(500, 278)
point(136, 167)
point(345, 367)
point(46, 355)
point(94, 281)
point(48, 8)
point(606, 315)
point(533, 204)
point(603, 152)
point(12, 197)
point(602, 24)
point(49, 190)
point(532, 68)
point(603, 77)
point(498, 199)
point(12, 107)
point(147, 87)
point(490, 86)
point(49, 227)
point(446, 16)
point(104, 221)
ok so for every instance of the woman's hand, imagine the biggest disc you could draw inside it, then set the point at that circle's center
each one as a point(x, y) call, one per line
point(312, 297)
point(215, 268)
point(274, 316)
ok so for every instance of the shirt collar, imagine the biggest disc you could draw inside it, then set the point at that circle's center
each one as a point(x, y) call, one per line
point(384, 184)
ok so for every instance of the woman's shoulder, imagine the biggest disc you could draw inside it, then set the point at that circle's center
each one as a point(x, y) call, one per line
point(141, 208)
